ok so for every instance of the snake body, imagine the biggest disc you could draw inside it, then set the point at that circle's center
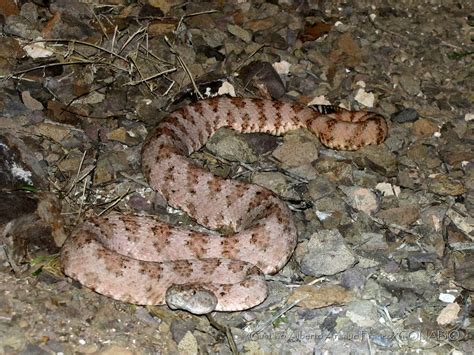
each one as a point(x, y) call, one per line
point(141, 260)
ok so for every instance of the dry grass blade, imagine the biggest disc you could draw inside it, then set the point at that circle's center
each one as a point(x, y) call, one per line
point(226, 330)
point(115, 202)
point(78, 178)
point(276, 316)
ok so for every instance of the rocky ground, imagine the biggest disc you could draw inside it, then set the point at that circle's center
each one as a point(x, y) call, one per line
point(386, 243)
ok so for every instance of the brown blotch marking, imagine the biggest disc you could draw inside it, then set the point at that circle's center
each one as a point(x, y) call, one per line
point(330, 123)
point(146, 171)
point(152, 270)
point(235, 193)
point(259, 239)
point(360, 129)
point(208, 127)
point(192, 176)
point(187, 115)
point(163, 230)
point(201, 137)
point(295, 118)
point(277, 123)
point(261, 114)
point(211, 265)
point(230, 120)
point(177, 121)
point(131, 223)
point(229, 247)
point(277, 105)
point(297, 108)
point(238, 102)
point(165, 153)
point(191, 209)
point(183, 268)
point(225, 289)
point(113, 263)
point(213, 104)
point(214, 185)
point(197, 243)
point(246, 283)
point(259, 198)
point(198, 107)
point(169, 172)
point(245, 122)
point(236, 267)
point(166, 131)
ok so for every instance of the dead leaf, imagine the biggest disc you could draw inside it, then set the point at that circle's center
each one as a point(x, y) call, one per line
point(8, 7)
point(348, 51)
point(30, 101)
point(313, 32)
point(313, 297)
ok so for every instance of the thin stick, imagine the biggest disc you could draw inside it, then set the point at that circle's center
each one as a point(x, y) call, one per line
point(81, 205)
point(114, 38)
point(73, 41)
point(148, 85)
point(130, 39)
point(116, 201)
point(226, 330)
point(193, 14)
point(278, 315)
point(250, 56)
point(75, 181)
point(84, 62)
point(136, 82)
point(185, 67)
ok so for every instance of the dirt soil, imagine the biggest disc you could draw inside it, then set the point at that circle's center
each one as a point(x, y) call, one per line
point(385, 255)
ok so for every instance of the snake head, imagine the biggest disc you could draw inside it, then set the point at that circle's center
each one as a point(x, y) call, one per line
point(192, 298)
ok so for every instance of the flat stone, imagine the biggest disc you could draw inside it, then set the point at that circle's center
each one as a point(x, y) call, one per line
point(402, 216)
point(424, 127)
point(445, 186)
point(326, 253)
point(239, 32)
point(296, 150)
point(361, 199)
point(276, 182)
point(229, 145)
point(410, 84)
point(405, 115)
point(363, 313)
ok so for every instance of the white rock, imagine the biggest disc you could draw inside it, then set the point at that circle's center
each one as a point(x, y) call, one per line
point(446, 297)
point(319, 100)
point(448, 314)
point(388, 189)
point(282, 67)
point(365, 98)
point(226, 88)
point(469, 117)
point(361, 198)
point(38, 50)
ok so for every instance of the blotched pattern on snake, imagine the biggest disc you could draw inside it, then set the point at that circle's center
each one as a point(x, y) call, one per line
point(140, 260)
